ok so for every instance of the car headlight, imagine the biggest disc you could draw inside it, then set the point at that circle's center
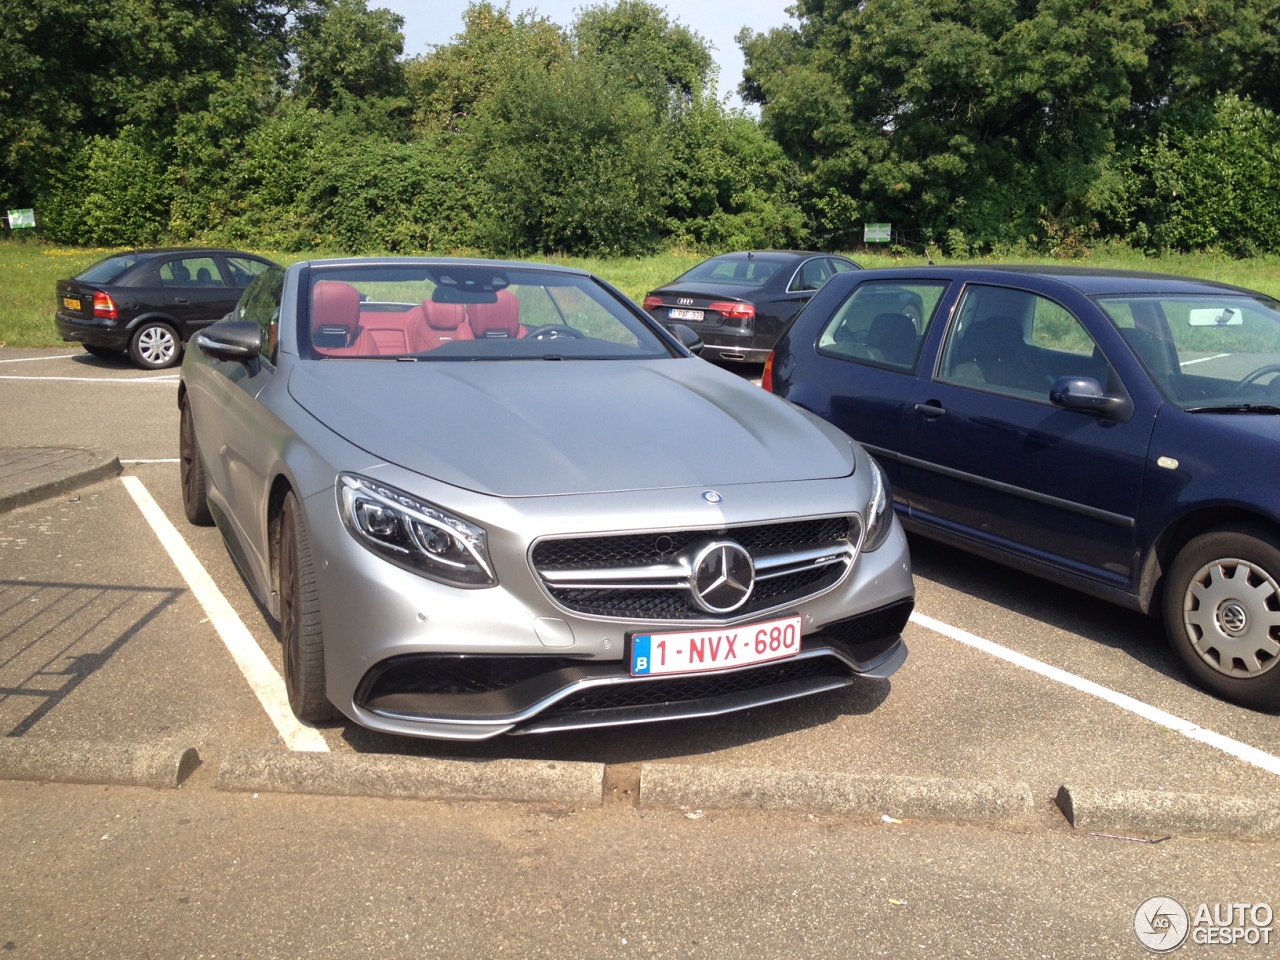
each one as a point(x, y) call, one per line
point(879, 515)
point(415, 534)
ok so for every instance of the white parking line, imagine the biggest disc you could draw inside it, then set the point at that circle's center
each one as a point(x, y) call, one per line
point(61, 356)
point(1216, 356)
point(253, 663)
point(163, 378)
point(1235, 748)
point(165, 460)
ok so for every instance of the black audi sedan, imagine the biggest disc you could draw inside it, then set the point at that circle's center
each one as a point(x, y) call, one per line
point(739, 303)
point(150, 302)
point(1115, 432)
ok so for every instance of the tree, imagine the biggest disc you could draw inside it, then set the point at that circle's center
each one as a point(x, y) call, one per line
point(646, 52)
point(992, 120)
point(75, 69)
point(448, 83)
point(345, 49)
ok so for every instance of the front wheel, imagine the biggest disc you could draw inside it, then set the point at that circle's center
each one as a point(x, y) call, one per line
point(1222, 614)
point(195, 500)
point(155, 345)
point(300, 634)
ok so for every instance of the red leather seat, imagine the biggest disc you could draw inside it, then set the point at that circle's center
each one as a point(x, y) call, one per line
point(499, 319)
point(384, 334)
point(432, 324)
point(335, 318)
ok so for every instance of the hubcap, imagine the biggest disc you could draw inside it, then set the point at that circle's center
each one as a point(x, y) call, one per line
point(156, 345)
point(1231, 612)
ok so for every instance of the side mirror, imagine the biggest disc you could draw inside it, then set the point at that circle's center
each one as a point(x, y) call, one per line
point(1087, 396)
point(687, 336)
point(237, 341)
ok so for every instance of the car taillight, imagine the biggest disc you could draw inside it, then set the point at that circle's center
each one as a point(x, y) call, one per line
point(732, 310)
point(766, 378)
point(104, 306)
point(652, 303)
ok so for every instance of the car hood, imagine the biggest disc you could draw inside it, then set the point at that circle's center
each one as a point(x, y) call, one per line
point(540, 428)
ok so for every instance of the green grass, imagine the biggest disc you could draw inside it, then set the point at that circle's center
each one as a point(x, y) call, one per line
point(30, 269)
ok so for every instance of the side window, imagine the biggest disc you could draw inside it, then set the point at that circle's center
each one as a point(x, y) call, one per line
point(1017, 343)
point(842, 266)
point(260, 304)
point(191, 272)
point(811, 275)
point(883, 323)
point(243, 270)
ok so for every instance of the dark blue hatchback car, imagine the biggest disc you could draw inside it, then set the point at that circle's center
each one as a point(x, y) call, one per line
point(1116, 432)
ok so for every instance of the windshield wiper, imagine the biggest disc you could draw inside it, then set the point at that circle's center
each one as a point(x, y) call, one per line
point(1236, 408)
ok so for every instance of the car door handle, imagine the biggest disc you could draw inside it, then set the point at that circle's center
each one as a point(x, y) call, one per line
point(931, 410)
point(181, 300)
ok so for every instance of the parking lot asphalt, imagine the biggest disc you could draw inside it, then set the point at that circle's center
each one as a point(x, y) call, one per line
point(1022, 704)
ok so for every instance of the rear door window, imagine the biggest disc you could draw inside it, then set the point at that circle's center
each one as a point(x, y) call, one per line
point(191, 272)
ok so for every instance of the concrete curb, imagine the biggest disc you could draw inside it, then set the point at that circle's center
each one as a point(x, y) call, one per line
point(364, 775)
point(968, 801)
point(84, 762)
point(1154, 813)
point(31, 474)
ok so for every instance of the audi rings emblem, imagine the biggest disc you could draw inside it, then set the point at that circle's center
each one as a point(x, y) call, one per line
point(723, 577)
point(684, 301)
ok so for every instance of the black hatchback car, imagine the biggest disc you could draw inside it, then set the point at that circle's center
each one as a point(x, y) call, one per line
point(150, 302)
point(1116, 432)
point(739, 303)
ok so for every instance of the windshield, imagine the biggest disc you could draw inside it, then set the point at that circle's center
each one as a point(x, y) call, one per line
point(1205, 351)
point(105, 271)
point(470, 311)
point(747, 272)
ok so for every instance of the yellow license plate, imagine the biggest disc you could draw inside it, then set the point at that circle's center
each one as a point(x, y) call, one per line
point(71, 303)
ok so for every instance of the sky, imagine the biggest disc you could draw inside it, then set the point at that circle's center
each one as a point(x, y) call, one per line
point(428, 22)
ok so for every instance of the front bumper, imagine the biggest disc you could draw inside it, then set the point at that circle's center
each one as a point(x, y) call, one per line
point(465, 697)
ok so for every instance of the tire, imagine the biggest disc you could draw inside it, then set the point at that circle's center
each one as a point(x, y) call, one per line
point(1222, 614)
point(155, 345)
point(195, 499)
point(106, 353)
point(300, 635)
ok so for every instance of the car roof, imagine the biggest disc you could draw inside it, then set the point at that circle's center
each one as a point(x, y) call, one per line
point(1090, 282)
point(167, 251)
point(779, 255)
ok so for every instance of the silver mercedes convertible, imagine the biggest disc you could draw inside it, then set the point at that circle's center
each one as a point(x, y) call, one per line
point(488, 497)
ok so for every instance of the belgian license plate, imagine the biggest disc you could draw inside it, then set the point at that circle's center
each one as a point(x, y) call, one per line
point(686, 314)
point(719, 648)
point(71, 303)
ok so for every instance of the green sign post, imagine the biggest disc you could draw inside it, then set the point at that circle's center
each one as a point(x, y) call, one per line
point(21, 219)
point(876, 232)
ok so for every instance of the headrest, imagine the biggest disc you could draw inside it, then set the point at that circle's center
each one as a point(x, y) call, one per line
point(891, 328)
point(443, 316)
point(335, 312)
point(994, 337)
point(500, 319)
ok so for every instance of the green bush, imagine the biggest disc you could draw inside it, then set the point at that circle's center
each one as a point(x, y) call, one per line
point(115, 191)
point(1217, 185)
